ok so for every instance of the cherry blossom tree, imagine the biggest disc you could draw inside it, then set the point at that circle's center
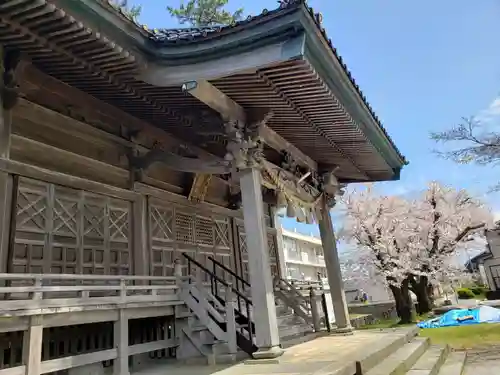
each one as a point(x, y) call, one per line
point(408, 242)
point(447, 220)
point(378, 226)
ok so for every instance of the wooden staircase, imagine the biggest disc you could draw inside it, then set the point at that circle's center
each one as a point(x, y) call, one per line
point(220, 324)
point(221, 312)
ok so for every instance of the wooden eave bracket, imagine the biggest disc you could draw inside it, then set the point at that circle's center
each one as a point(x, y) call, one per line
point(207, 93)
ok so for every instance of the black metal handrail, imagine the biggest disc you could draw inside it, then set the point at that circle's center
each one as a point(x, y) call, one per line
point(243, 342)
point(214, 278)
point(231, 272)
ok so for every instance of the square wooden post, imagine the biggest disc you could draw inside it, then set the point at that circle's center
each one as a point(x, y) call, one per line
point(332, 263)
point(264, 310)
point(120, 336)
point(120, 333)
point(140, 227)
point(32, 345)
point(6, 181)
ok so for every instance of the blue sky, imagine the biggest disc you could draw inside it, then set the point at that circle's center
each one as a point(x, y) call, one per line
point(422, 65)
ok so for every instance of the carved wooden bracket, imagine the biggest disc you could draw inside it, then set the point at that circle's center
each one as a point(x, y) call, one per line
point(331, 187)
point(244, 149)
point(199, 188)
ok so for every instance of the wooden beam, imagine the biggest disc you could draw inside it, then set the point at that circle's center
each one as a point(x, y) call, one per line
point(207, 93)
point(31, 171)
point(64, 363)
point(277, 142)
point(46, 117)
point(171, 198)
point(180, 163)
point(33, 81)
point(152, 346)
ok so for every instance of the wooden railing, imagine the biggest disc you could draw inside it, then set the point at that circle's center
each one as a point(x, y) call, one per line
point(26, 294)
point(307, 300)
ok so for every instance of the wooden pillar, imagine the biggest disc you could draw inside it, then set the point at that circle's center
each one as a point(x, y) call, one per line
point(140, 224)
point(264, 310)
point(280, 251)
point(120, 333)
point(6, 181)
point(32, 345)
point(334, 272)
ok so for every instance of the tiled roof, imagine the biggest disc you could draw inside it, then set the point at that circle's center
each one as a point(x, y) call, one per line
point(86, 59)
point(174, 37)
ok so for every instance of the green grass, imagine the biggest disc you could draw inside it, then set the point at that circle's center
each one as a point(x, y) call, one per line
point(393, 323)
point(463, 337)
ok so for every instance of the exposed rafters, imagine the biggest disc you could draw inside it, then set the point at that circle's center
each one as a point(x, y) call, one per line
point(230, 110)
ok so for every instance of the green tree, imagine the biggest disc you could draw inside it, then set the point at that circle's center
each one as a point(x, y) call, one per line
point(201, 13)
point(133, 11)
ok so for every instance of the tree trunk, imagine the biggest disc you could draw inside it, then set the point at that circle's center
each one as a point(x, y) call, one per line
point(422, 290)
point(403, 302)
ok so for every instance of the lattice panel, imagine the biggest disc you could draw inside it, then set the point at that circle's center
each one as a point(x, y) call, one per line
point(204, 234)
point(222, 234)
point(63, 230)
point(162, 223)
point(175, 230)
point(184, 228)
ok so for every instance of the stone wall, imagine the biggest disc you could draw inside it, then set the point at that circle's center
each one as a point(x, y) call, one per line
point(378, 310)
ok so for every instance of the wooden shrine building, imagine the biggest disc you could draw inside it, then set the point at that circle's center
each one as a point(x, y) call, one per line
point(133, 161)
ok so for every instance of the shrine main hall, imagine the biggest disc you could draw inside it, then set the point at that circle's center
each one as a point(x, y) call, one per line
point(140, 175)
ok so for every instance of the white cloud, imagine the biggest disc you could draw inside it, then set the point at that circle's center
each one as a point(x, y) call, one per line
point(492, 113)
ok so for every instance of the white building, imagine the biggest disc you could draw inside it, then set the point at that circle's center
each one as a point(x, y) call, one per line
point(301, 256)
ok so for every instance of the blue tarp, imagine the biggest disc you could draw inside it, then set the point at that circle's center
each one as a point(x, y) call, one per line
point(460, 317)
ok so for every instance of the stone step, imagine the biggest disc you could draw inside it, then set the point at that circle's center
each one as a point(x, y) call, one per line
point(287, 342)
point(454, 364)
point(376, 354)
point(225, 359)
point(431, 361)
point(289, 319)
point(287, 332)
point(399, 362)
